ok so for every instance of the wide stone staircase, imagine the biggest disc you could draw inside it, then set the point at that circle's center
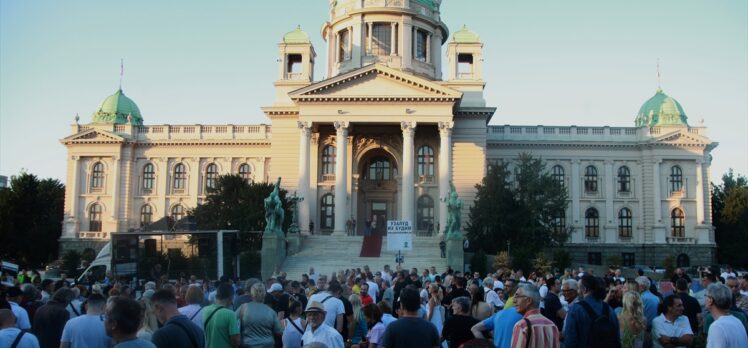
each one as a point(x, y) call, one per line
point(329, 254)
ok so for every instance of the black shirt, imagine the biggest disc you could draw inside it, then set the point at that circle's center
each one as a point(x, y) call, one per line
point(409, 332)
point(179, 331)
point(49, 321)
point(348, 313)
point(457, 330)
point(278, 304)
point(690, 309)
point(551, 307)
point(676, 277)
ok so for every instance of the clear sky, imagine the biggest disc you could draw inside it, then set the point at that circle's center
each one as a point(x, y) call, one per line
point(586, 62)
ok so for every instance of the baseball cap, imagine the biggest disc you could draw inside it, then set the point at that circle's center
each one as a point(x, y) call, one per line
point(275, 287)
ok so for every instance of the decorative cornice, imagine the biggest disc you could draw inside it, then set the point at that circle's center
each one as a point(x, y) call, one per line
point(203, 142)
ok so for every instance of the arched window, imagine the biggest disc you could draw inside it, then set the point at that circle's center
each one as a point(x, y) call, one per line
point(327, 212)
point(624, 223)
point(425, 161)
point(624, 179)
point(211, 176)
point(97, 176)
point(146, 215)
point(557, 173)
point(677, 223)
point(590, 179)
point(380, 169)
point(149, 176)
point(180, 177)
point(94, 218)
point(676, 179)
point(591, 223)
point(425, 215)
point(559, 221)
point(177, 212)
point(328, 160)
point(245, 172)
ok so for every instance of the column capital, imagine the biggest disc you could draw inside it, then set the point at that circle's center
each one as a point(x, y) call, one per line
point(75, 157)
point(608, 162)
point(408, 128)
point(305, 127)
point(575, 161)
point(445, 128)
point(341, 125)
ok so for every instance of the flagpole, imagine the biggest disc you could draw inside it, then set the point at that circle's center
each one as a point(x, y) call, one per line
point(121, 71)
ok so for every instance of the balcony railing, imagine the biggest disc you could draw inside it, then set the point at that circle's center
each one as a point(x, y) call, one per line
point(681, 240)
point(507, 132)
point(328, 177)
point(93, 235)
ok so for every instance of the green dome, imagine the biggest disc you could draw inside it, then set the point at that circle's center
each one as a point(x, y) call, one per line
point(296, 36)
point(465, 36)
point(661, 110)
point(116, 109)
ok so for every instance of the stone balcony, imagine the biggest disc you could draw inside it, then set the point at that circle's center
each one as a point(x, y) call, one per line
point(183, 132)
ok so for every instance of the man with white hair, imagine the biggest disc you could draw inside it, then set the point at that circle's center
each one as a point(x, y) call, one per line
point(534, 330)
point(491, 297)
point(726, 331)
point(650, 300)
point(317, 331)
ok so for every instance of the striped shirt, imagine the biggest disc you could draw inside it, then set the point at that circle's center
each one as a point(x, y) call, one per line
point(544, 332)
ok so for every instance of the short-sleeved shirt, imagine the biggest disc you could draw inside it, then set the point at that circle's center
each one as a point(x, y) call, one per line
point(333, 306)
point(457, 330)
point(661, 327)
point(502, 324)
point(136, 343)
point(691, 309)
point(259, 324)
point(221, 327)
point(324, 334)
point(651, 302)
point(7, 336)
point(375, 334)
point(193, 312)
point(22, 316)
point(726, 331)
point(179, 331)
point(86, 331)
point(409, 332)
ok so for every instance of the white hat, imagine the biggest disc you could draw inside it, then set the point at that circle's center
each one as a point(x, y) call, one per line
point(275, 287)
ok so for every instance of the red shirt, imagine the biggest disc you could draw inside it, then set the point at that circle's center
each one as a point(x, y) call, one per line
point(366, 299)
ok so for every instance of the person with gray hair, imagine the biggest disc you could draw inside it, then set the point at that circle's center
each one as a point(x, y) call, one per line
point(260, 326)
point(535, 330)
point(491, 297)
point(569, 293)
point(726, 330)
point(650, 300)
point(456, 329)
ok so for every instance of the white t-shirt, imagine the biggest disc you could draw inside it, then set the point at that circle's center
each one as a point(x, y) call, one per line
point(194, 313)
point(85, 331)
point(373, 289)
point(727, 332)
point(661, 327)
point(333, 307)
point(22, 316)
point(324, 334)
point(492, 298)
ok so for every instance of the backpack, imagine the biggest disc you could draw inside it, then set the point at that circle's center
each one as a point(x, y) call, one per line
point(603, 333)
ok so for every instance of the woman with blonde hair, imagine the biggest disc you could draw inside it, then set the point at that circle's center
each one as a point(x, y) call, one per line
point(150, 322)
point(632, 322)
point(435, 312)
point(358, 325)
point(258, 323)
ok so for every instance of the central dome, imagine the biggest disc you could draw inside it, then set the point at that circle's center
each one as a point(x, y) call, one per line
point(661, 110)
point(116, 109)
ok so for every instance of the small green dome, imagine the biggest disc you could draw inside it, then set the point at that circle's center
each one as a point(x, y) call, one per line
point(465, 36)
point(116, 109)
point(296, 36)
point(661, 110)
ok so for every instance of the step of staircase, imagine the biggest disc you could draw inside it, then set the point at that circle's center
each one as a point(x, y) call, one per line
point(329, 254)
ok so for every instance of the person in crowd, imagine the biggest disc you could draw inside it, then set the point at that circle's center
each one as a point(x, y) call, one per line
point(357, 325)
point(386, 310)
point(671, 328)
point(534, 330)
point(479, 309)
point(150, 322)
point(260, 326)
point(510, 286)
point(581, 318)
point(365, 297)
point(193, 309)
point(632, 322)
point(435, 312)
point(30, 300)
point(740, 301)
point(177, 329)
point(553, 310)
point(277, 299)
point(726, 331)
point(691, 308)
point(293, 326)
point(87, 330)
point(22, 316)
point(728, 273)
point(457, 329)
point(10, 334)
point(74, 308)
point(410, 331)
point(650, 300)
point(297, 294)
point(123, 318)
point(680, 273)
point(334, 307)
point(317, 330)
point(569, 293)
point(219, 321)
point(50, 319)
point(48, 288)
point(491, 297)
point(373, 317)
point(502, 325)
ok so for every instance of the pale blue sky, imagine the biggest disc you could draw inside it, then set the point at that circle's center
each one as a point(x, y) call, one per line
point(213, 62)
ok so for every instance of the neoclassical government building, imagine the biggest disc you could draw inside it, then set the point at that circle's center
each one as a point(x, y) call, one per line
point(383, 136)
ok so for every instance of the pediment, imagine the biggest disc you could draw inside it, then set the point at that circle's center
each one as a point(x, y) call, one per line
point(375, 83)
point(93, 136)
point(682, 136)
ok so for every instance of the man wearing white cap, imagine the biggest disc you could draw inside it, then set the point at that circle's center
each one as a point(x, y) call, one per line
point(277, 299)
point(317, 331)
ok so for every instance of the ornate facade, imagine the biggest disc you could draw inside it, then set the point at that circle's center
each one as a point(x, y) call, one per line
point(383, 136)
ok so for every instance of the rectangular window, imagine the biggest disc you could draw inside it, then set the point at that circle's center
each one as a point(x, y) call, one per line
point(293, 68)
point(629, 259)
point(381, 39)
point(344, 53)
point(421, 45)
point(595, 258)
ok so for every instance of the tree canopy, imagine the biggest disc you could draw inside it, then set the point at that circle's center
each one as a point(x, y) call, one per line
point(31, 213)
point(730, 218)
point(522, 206)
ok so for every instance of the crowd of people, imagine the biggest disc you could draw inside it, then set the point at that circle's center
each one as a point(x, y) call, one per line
point(394, 308)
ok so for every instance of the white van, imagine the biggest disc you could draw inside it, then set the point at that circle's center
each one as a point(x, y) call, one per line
point(100, 265)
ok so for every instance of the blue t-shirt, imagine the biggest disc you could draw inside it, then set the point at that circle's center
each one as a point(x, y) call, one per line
point(136, 343)
point(86, 331)
point(7, 336)
point(502, 324)
point(651, 302)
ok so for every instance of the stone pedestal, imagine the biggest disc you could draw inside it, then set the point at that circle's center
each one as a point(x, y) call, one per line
point(273, 254)
point(455, 253)
point(294, 239)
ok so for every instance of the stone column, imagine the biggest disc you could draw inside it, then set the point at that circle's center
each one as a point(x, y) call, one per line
point(341, 182)
point(610, 216)
point(369, 34)
point(699, 193)
point(659, 228)
point(408, 189)
point(303, 184)
point(428, 48)
point(445, 171)
point(71, 223)
point(393, 38)
point(576, 235)
point(115, 190)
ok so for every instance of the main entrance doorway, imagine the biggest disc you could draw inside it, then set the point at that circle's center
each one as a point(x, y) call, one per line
point(378, 216)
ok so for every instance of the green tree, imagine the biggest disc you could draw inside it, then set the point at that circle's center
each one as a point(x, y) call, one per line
point(518, 208)
point(730, 218)
point(31, 213)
